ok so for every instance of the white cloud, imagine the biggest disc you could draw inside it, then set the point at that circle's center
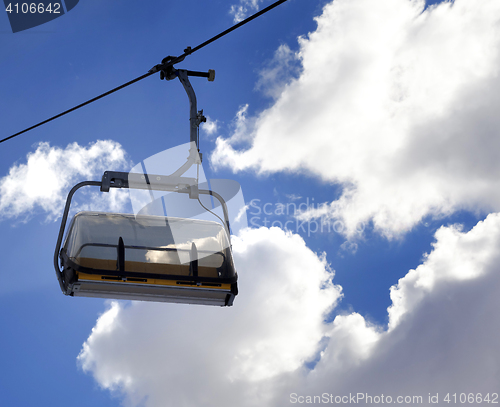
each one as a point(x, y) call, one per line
point(196, 355)
point(243, 9)
point(45, 179)
point(274, 76)
point(293, 197)
point(443, 330)
point(210, 126)
point(241, 125)
point(397, 104)
point(442, 336)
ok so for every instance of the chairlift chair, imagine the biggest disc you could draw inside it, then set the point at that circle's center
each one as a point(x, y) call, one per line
point(144, 257)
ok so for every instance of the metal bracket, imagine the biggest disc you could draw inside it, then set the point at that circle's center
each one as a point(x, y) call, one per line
point(193, 112)
point(195, 117)
point(115, 179)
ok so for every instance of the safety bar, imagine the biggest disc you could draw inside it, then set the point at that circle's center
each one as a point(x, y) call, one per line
point(159, 249)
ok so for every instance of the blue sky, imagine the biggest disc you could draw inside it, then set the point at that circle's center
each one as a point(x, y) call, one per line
point(385, 112)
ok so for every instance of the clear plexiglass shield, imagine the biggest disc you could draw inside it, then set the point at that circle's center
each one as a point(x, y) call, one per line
point(148, 244)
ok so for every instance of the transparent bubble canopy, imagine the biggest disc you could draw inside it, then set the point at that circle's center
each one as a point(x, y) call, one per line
point(149, 245)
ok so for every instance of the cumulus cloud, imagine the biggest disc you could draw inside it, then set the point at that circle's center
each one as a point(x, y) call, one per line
point(442, 335)
point(193, 355)
point(395, 103)
point(443, 327)
point(43, 181)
